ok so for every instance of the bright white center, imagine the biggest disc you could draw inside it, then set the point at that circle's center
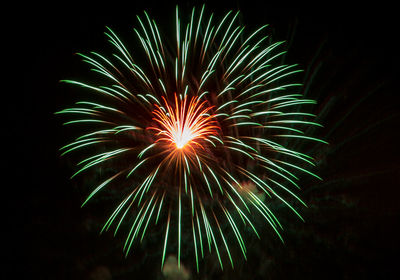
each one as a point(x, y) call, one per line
point(183, 137)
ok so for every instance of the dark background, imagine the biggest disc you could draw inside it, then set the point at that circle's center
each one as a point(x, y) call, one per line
point(352, 224)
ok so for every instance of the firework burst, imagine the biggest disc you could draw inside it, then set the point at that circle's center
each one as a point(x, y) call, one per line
point(196, 133)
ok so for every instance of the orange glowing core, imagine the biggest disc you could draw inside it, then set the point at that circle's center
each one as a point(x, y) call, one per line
point(185, 124)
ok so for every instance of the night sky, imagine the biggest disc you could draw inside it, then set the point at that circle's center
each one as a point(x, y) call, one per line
point(352, 226)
